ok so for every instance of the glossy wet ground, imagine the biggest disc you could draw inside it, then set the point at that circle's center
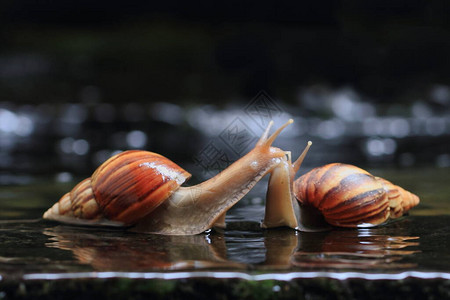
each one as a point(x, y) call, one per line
point(410, 256)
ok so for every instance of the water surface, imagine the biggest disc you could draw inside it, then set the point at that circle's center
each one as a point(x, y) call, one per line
point(414, 245)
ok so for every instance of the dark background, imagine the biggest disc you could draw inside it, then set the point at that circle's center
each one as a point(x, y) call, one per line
point(368, 80)
point(212, 51)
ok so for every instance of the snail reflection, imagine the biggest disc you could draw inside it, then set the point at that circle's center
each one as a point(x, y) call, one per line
point(355, 249)
point(118, 251)
point(282, 249)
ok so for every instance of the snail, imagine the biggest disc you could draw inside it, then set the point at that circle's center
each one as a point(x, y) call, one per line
point(340, 194)
point(142, 190)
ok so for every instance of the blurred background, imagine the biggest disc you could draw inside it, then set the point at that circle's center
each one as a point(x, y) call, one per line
point(367, 81)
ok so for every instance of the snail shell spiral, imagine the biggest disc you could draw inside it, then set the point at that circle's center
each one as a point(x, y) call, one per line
point(348, 196)
point(124, 189)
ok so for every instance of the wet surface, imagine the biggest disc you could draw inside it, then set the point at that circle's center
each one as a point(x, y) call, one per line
point(416, 245)
point(72, 94)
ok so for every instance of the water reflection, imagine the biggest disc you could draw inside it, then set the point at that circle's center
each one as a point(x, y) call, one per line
point(281, 245)
point(117, 251)
point(281, 249)
point(354, 249)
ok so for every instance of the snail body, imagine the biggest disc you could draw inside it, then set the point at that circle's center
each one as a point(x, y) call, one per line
point(335, 194)
point(142, 190)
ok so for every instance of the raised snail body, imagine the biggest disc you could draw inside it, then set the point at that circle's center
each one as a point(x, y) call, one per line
point(340, 194)
point(143, 190)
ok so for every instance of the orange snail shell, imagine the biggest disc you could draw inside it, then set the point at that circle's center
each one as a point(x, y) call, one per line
point(348, 196)
point(124, 189)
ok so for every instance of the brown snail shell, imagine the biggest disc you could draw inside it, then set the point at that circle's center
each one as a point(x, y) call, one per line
point(124, 189)
point(348, 196)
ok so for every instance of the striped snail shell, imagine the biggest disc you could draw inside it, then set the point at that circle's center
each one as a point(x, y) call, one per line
point(124, 189)
point(348, 196)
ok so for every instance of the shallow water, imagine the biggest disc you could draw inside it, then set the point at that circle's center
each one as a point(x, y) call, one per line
point(416, 245)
